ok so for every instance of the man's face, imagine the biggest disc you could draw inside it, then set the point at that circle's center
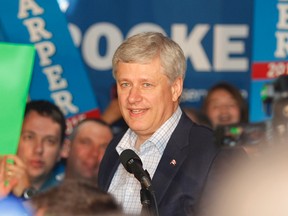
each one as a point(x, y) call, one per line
point(146, 96)
point(87, 150)
point(39, 146)
point(222, 108)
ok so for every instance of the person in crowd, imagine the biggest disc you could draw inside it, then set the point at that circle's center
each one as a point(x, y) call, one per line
point(224, 105)
point(86, 147)
point(77, 198)
point(226, 108)
point(149, 69)
point(39, 150)
point(112, 114)
point(9, 203)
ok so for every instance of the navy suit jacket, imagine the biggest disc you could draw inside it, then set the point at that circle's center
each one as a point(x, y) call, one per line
point(177, 187)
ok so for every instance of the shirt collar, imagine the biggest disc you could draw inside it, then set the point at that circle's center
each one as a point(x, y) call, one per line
point(159, 138)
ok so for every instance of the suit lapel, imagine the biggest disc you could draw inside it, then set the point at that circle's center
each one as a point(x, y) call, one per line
point(172, 159)
point(111, 162)
point(114, 165)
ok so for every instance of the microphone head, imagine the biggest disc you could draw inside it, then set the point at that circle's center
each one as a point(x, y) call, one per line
point(128, 157)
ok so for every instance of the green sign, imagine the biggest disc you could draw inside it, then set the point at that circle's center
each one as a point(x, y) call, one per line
point(16, 64)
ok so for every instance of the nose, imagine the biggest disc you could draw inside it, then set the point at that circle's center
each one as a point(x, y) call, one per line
point(134, 95)
point(224, 108)
point(38, 147)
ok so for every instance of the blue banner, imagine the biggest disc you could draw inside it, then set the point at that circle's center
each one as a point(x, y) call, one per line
point(270, 50)
point(215, 36)
point(59, 74)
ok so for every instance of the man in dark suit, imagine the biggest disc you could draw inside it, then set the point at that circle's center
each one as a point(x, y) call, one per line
point(149, 69)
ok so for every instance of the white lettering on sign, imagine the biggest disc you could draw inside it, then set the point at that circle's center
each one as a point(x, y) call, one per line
point(277, 69)
point(39, 35)
point(224, 47)
point(228, 50)
point(54, 77)
point(92, 56)
point(282, 33)
point(64, 100)
point(193, 95)
point(36, 29)
point(192, 45)
point(196, 95)
point(28, 5)
point(45, 50)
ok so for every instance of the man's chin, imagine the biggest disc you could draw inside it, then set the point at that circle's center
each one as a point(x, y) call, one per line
point(89, 177)
point(36, 177)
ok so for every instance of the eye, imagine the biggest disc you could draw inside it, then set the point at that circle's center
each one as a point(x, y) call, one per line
point(215, 106)
point(124, 84)
point(51, 141)
point(27, 137)
point(84, 142)
point(232, 105)
point(147, 85)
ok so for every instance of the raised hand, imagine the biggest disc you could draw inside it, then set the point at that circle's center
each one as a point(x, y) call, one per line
point(13, 176)
point(6, 186)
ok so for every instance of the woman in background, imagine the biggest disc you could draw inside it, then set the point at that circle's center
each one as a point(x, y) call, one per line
point(224, 105)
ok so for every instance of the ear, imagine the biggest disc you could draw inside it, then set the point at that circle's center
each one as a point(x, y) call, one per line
point(65, 150)
point(176, 88)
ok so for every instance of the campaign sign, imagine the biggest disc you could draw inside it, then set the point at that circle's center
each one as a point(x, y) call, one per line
point(214, 35)
point(270, 48)
point(59, 74)
point(16, 64)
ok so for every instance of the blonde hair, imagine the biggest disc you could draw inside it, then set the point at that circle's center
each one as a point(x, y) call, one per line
point(144, 47)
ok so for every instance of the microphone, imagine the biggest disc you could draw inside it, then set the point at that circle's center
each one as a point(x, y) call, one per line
point(133, 164)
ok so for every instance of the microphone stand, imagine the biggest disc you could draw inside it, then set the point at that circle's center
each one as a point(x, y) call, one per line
point(148, 200)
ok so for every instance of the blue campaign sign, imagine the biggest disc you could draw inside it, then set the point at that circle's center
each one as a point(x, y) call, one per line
point(264, 38)
point(269, 59)
point(215, 36)
point(59, 74)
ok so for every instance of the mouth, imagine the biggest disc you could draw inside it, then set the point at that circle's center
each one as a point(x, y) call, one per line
point(36, 163)
point(224, 119)
point(89, 171)
point(137, 112)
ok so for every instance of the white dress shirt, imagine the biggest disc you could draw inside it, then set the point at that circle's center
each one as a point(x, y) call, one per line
point(124, 186)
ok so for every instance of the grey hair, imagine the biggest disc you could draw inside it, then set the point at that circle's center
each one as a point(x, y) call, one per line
point(144, 47)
